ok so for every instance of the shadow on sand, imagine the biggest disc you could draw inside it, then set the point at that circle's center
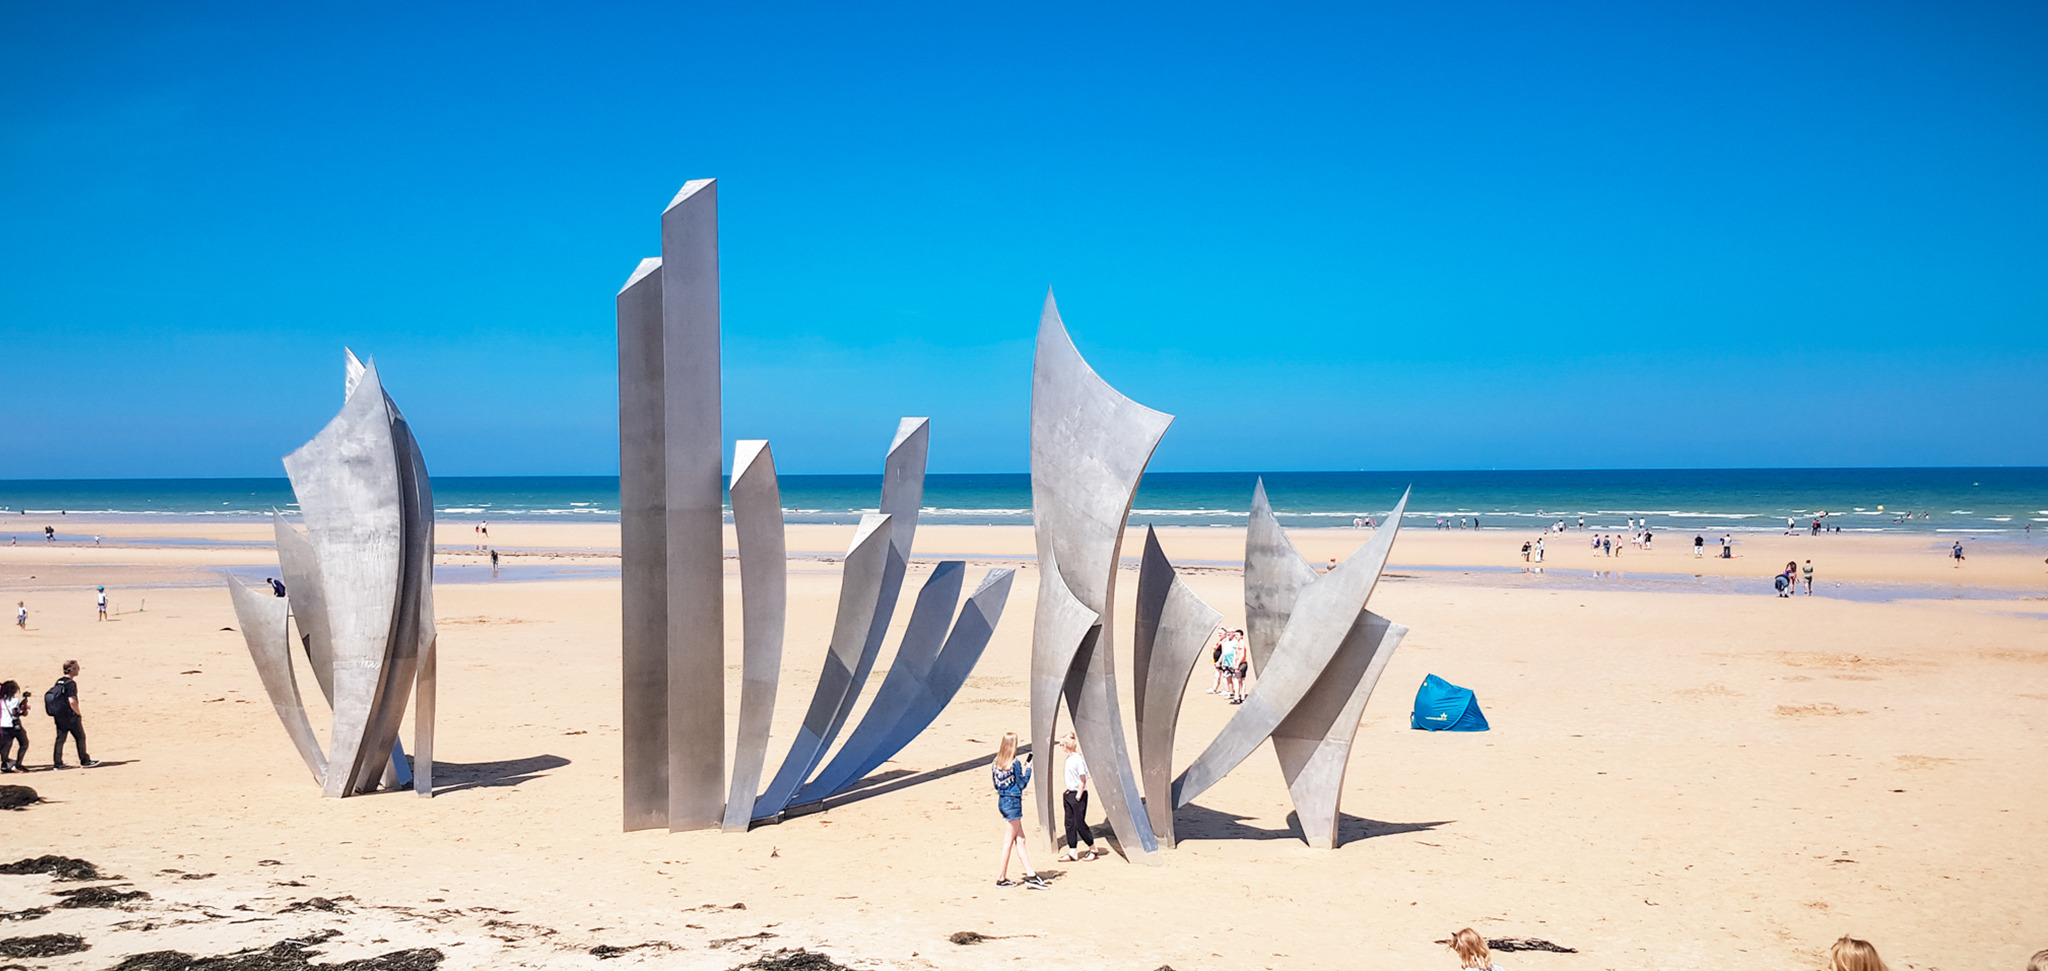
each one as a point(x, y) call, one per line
point(457, 776)
point(1202, 823)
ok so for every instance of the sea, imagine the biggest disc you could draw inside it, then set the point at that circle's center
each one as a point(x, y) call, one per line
point(1988, 502)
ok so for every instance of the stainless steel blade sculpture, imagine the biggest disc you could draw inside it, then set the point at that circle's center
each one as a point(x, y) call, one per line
point(1323, 613)
point(672, 611)
point(1089, 447)
point(924, 677)
point(361, 584)
point(764, 601)
point(671, 520)
point(1171, 627)
point(860, 584)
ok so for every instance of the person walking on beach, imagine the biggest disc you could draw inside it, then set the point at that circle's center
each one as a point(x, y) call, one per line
point(50, 533)
point(1473, 954)
point(494, 562)
point(61, 703)
point(1806, 574)
point(1244, 665)
point(103, 603)
point(13, 735)
point(1851, 954)
point(1074, 803)
point(1228, 665)
point(1956, 553)
point(1010, 777)
point(1525, 551)
point(21, 614)
point(1539, 549)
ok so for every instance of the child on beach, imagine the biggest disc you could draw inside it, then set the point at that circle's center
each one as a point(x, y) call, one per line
point(1850, 954)
point(21, 614)
point(1010, 777)
point(1473, 954)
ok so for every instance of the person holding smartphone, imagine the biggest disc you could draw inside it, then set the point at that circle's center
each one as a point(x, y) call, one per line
point(1011, 775)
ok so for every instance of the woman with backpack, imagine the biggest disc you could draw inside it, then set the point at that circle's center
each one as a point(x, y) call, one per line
point(1010, 777)
point(13, 735)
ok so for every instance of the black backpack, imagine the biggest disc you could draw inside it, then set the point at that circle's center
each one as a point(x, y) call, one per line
point(54, 699)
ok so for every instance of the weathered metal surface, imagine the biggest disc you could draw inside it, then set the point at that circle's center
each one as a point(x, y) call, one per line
point(262, 616)
point(924, 677)
point(1323, 613)
point(902, 495)
point(643, 552)
point(349, 494)
point(1314, 741)
point(764, 602)
point(860, 582)
point(1172, 626)
point(1089, 447)
point(694, 486)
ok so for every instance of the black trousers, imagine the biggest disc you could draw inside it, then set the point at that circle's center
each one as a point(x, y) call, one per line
point(74, 727)
point(13, 739)
point(1076, 806)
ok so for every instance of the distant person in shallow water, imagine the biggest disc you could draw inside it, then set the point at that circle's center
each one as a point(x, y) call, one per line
point(1473, 954)
point(1010, 776)
point(1806, 574)
point(1850, 954)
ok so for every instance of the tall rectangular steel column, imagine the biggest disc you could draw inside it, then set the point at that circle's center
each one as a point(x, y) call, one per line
point(693, 443)
point(643, 550)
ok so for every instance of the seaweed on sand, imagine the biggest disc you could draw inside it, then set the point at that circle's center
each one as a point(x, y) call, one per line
point(61, 867)
point(290, 954)
point(42, 946)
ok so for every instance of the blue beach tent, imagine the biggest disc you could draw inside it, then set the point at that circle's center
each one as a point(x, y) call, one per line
point(1441, 706)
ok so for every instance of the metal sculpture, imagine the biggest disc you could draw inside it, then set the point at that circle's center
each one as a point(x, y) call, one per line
point(672, 611)
point(1089, 446)
point(1171, 627)
point(361, 583)
point(764, 600)
point(923, 678)
point(1323, 613)
point(860, 583)
point(671, 516)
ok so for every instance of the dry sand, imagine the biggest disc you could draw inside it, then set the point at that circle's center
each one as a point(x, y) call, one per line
point(1674, 779)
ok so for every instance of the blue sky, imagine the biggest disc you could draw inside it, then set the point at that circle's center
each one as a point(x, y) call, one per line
point(1391, 237)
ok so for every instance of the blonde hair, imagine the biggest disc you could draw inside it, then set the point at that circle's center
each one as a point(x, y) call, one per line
point(1471, 948)
point(1070, 743)
point(2039, 962)
point(1006, 751)
point(1850, 954)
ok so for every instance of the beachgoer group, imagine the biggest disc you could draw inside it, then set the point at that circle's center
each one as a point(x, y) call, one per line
point(61, 704)
point(1233, 661)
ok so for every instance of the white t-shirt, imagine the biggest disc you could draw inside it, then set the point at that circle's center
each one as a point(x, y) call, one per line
point(1077, 767)
point(103, 601)
point(7, 711)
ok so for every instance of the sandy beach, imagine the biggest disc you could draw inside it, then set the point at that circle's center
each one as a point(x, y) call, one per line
point(1683, 771)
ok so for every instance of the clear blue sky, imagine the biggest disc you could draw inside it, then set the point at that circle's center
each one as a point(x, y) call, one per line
point(1434, 235)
